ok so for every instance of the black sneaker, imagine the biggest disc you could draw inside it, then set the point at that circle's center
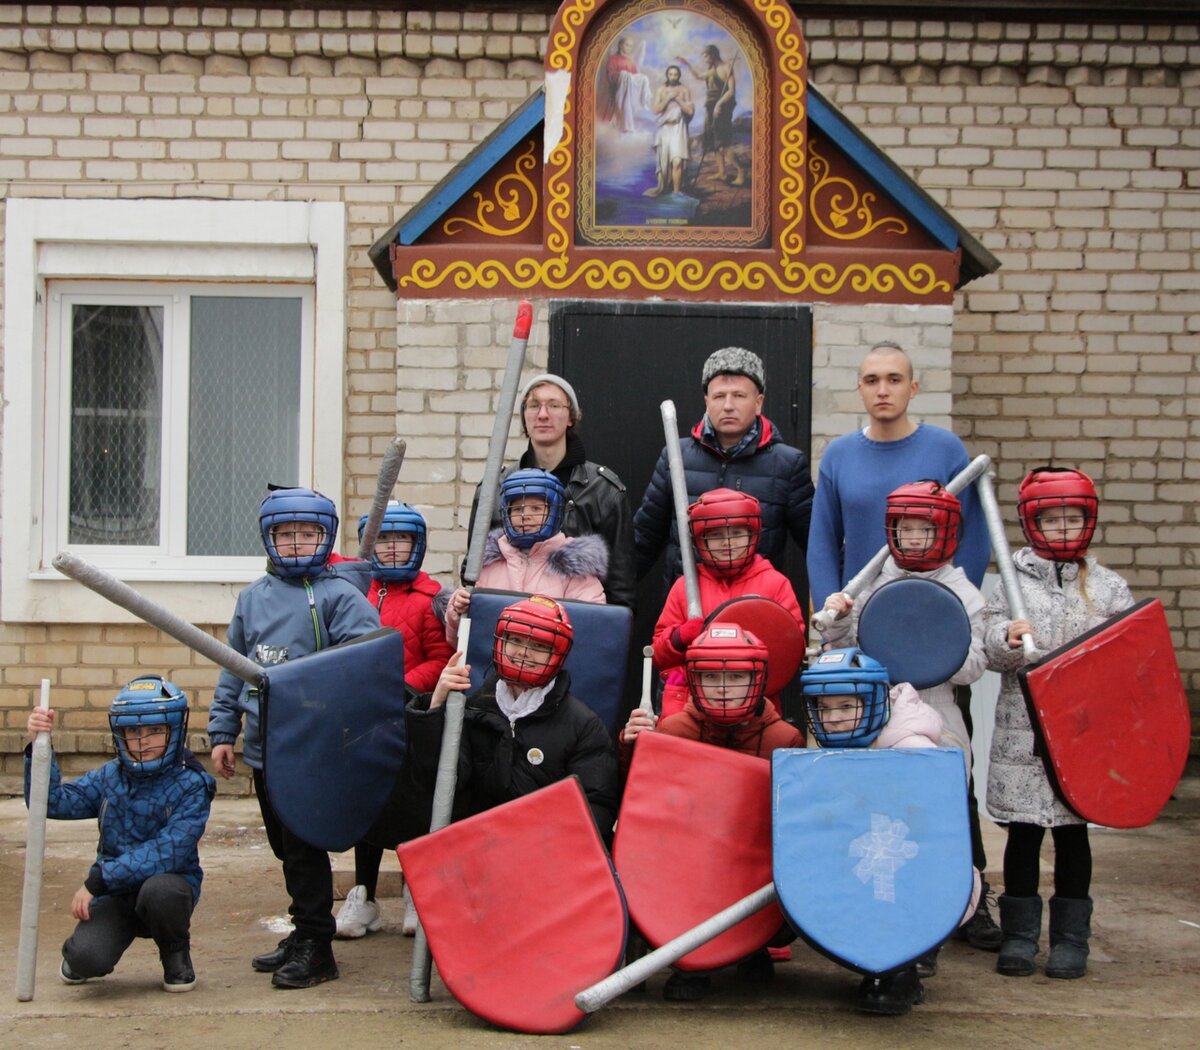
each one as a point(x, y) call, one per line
point(270, 961)
point(980, 930)
point(310, 963)
point(69, 976)
point(892, 995)
point(178, 975)
point(686, 987)
point(926, 966)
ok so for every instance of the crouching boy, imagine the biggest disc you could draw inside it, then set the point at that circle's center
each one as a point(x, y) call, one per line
point(152, 803)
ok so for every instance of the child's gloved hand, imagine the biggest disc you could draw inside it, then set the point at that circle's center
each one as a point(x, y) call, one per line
point(687, 632)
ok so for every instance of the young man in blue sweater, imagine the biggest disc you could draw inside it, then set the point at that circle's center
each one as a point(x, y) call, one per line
point(858, 471)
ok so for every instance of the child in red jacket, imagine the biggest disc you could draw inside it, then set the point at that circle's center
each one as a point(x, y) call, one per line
point(726, 668)
point(725, 527)
point(405, 597)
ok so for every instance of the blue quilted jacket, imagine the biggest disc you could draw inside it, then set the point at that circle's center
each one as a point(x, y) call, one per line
point(148, 825)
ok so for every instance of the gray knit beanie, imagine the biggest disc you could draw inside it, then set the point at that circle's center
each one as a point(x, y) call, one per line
point(733, 360)
point(558, 381)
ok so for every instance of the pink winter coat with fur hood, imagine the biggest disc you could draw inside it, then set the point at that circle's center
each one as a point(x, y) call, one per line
point(560, 567)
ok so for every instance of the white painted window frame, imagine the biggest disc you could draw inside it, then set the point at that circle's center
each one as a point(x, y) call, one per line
point(51, 242)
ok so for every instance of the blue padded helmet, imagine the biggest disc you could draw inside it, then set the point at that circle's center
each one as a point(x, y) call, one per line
point(287, 505)
point(149, 701)
point(398, 519)
point(861, 683)
point(532, 482)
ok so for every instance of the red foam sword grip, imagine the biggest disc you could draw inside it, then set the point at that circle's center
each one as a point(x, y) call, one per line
point(524, 320)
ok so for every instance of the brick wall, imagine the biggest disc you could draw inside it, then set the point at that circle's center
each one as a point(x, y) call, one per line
point(1072, 152)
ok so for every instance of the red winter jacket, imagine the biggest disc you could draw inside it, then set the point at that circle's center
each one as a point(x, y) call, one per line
point(759, 577)
point(408, 607)
point(758, 735)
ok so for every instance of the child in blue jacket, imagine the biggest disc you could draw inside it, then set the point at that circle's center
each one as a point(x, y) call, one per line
point(300, 606)
point(152, 804)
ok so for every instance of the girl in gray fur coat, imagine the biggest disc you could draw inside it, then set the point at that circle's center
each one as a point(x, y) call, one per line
point(1066, 594)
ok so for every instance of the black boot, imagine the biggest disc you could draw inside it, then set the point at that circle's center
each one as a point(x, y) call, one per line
point(757, 968)
point(980, 930)
point(684, 987)
point(892, 994)
point(1021, 924)
point(178, 975)
point(1070, 928)
point(270, 961)
point(311, 962)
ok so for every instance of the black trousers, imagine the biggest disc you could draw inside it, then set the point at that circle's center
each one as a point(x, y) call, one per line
point(161, 908)
point(962, 698)
point(306, 873)
point(1072, 860)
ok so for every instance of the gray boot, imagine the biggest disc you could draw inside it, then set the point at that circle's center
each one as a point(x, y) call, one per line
point(1021, 923)
point(1069, 932)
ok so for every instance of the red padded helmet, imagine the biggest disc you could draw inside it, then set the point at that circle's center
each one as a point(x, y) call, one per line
point(542, 621)
point(725, 648)
point(1046, 488)
point(932, 504)
point(720, 508)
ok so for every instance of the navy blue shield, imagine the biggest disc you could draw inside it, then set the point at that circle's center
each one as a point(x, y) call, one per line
point(872, 850)
point(596, 661)
point(333, 737)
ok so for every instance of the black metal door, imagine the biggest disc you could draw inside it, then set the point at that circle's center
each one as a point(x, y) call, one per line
point(624, 359)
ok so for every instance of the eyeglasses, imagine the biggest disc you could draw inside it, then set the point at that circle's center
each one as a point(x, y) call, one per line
point(553, 407)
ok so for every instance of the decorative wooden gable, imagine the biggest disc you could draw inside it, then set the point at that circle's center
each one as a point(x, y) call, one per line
point(678, 151)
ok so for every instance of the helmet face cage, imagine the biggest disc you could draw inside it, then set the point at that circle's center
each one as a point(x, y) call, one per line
point(932, 505)
point(726, 671)
point(720, 509)
point(298, 505)
point(540, 484)
point(149, 702)
point(399, 519)
point(845, 698)
point(1057, 488)
point(542, 621)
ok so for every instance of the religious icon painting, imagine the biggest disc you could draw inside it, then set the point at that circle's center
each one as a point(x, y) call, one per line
point(673, 128)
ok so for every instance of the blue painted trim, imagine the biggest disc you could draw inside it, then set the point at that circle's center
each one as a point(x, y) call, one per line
point(898, 185)
point(471, 169)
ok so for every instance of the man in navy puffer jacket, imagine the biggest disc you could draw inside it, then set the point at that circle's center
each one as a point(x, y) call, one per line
point(733, 446)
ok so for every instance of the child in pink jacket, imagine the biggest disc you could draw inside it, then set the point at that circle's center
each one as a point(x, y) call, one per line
point(530, 554)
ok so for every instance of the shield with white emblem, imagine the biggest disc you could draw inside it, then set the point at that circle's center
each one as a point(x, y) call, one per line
point(872, 850)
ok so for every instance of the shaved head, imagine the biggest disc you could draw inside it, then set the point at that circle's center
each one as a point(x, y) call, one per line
point(887, 347)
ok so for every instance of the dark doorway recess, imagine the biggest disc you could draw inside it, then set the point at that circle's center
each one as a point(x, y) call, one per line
point(625, 358)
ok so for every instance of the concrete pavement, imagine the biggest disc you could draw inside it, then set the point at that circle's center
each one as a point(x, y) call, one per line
point(1142, 989)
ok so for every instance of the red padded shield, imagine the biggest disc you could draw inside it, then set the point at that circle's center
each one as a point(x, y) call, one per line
point(693, 837)
point(1112, 714)
point(776, 628)
point(521, 908)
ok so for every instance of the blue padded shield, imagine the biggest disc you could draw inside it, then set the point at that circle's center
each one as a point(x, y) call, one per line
point(918, 629)
point(333, 737)
point(597, 657)
point(872, 850)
